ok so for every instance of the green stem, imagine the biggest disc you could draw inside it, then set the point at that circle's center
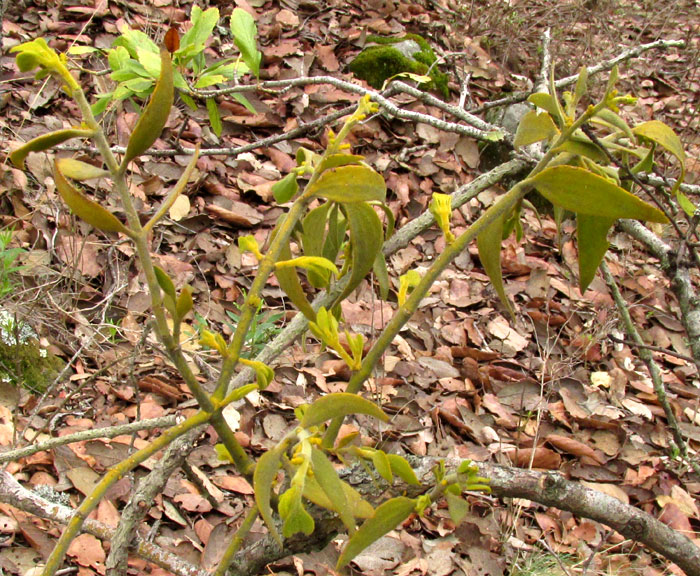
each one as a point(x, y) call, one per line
point(171, 344)
point(236, 542)
point(115, 473)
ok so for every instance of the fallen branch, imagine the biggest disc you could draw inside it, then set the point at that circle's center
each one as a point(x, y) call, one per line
point(109, 432)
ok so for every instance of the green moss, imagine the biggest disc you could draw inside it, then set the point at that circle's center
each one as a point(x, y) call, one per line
point(23, 362)
point(391, 56)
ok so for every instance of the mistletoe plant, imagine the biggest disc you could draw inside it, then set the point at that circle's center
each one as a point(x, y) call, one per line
point(340, 240)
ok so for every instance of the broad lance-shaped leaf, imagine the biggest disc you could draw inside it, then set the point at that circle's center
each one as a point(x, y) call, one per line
point(263, 479)
point(592, 232)
point(330, 482)
point(534, 127)
point(46, 141)
point(86, 209)
point(340, 404)
point(664, 136)
point(244, 32)
point(489, 245)
point(350, 184)
point(288, 280)
point(358, 507)
point(154, 117)
point(312, 240)
point(401, 467)
point(583, 192)
point(386, 517)
point(366, 239)
point(78, 170)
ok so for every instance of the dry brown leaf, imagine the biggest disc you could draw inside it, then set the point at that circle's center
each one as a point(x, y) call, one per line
point(87, 551)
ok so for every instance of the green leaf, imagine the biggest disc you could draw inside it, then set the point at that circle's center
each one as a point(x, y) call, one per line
point(288, 280)
point(582, 148)
point(664, 136)
point(382, 465)
point(117, 58)
point(154, 117)
point(79, 50)
point(338, 405)
point(244, 33)
point(381, 274)
point(263, 479)
point(489, 245)
point(457, 507)
point(328, 479)
point(296, 518)
point(347, 184)
point(312, 239)
point(132, 40)
point(580, 191)
point(401, 467)
point(285, 189)
point(336, 160)
point(241, 99)
point(150, 61)
point(317, 264)
point(203, 23)
point(46, 141)
point(386, 517)
point(165, 282)
point(184, 301)
point(214, 117)
point(533, 127)
point(545, 102)
point(358, 507)
point(610, 118)
point(86, 209)
point(77, 170)
point(366, 239)
point(592, 234)
point(263, 372)
point(685, 203)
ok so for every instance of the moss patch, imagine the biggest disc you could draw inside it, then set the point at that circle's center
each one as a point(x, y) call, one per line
point(23, 362)
point(390, 56)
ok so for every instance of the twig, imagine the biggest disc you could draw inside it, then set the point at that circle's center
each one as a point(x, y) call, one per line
point(110, 432)
point(653, 368)
point(654, 349)
point(678, 274)
point(592, 70)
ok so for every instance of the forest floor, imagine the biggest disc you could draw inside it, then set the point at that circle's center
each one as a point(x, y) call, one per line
point(552, 391)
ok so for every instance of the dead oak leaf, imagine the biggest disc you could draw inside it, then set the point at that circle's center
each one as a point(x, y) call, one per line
point(87, 551)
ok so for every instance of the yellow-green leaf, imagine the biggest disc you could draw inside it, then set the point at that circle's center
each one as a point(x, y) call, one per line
point(263, 479)
point(336, 160)
point(214, 117)
point(316, 263)
point(288, 280)
point(489, 245)
point(77, 170)
point(360, 508)
point(312, 239)
point(337, 405)
point(165, 282)
point(607, 116)
point(46, 141)
point(685, 203)
point(285, 189)
point(184, 301)
point(386, 517)
point(580, 191)
point(664, 136)
point(545, 102)
point(350, 184)
point(263, 372)
point(330, 482)
point(154, 117)
point(86, 209)
point(382, 465)
point(533, 127)
point(592, 234)
point(457, 507)
point(366, 239)
point(296, 518)
point(401, 467)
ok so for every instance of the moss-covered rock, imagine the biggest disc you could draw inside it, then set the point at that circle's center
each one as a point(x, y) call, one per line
point(386, 57)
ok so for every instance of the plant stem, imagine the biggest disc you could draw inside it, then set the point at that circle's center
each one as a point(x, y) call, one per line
point(236, 542)
point(118, 471)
